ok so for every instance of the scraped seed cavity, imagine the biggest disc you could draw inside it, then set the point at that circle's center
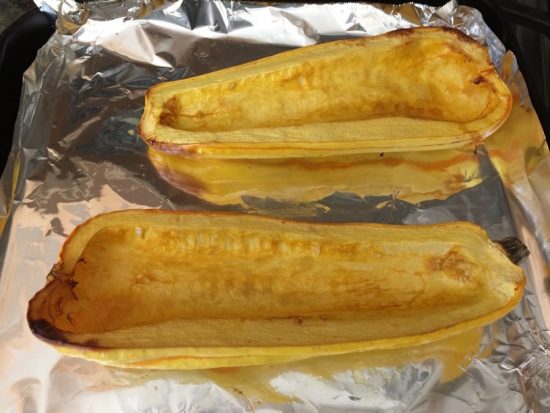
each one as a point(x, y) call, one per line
point(211, 241)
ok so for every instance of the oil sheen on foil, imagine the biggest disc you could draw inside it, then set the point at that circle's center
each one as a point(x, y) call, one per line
point(76, 154)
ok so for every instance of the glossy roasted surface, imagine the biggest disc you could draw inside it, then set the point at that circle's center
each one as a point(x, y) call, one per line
point(423, 88)
point(230, 285)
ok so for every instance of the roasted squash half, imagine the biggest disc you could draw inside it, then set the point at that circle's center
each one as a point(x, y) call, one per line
point(156, 289)
point(409, 89)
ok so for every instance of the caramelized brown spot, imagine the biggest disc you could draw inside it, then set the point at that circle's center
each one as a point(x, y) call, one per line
point(478, 80)
point(170, 111)
point(58, 306)
point(92, 344)
point(453, 263)
point(70, 319)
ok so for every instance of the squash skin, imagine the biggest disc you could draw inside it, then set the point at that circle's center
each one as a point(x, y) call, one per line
point(244, 322)
point(411, 89)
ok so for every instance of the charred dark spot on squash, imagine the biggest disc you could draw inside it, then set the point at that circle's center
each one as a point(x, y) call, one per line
point(71, 283)
point(478, 80)
point(92, 344)
point(46, 331)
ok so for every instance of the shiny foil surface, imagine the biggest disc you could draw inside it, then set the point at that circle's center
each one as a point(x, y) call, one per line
point(76, 153)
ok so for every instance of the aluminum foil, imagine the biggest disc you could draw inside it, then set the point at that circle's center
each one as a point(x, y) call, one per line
point(76, 153)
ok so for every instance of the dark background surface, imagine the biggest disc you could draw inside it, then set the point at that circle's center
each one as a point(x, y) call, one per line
point(523, 26)
point(23, 30)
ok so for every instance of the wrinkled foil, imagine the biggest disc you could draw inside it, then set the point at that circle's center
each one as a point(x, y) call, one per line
point(76, 154)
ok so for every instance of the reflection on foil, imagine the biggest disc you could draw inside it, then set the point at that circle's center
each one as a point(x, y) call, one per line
point(412, 177)
point(380, 379)
point(76, 154)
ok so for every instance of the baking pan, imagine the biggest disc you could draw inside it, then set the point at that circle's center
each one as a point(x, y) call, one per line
point(19, 43)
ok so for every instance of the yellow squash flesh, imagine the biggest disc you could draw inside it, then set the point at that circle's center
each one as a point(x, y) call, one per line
point(412, 89)
point(142, 288)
